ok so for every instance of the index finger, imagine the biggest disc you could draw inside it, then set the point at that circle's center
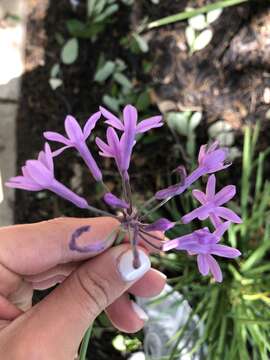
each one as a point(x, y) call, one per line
point(33, 248)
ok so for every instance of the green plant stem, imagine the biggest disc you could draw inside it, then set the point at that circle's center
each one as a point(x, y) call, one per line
point(190, 13)
point(85, 342)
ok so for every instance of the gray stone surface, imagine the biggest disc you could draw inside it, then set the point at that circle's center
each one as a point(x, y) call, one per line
point(12, 37)
point(7, 159)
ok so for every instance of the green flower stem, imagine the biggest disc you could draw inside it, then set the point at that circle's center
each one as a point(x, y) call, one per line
point(84, 344)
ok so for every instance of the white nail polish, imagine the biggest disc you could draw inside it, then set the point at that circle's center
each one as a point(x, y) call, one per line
point(126, 269)
point(139, 311)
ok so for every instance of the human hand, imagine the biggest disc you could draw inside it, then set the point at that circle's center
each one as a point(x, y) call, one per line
point(37, 256)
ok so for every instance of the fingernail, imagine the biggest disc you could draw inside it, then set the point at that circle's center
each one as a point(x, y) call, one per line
point(126, 269)
point(139, 311)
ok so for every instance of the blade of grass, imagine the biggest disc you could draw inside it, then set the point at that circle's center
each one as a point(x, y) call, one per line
point(190, 13)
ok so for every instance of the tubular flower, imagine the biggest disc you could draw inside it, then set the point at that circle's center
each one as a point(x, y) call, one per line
point(131, 111)
point(113, 148)
point(204, 244)
point(39, 175)
point(121, 150)
point(210, 160)
point(211, 204)
point(76, 137)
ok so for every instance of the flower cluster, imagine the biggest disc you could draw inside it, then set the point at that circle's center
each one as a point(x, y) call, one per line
point(120, 140)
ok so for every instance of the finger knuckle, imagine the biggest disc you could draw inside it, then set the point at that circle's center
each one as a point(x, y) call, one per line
point(95, 289)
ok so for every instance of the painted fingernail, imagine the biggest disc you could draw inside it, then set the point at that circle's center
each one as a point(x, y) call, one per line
point(126, 269)
point(139, 311)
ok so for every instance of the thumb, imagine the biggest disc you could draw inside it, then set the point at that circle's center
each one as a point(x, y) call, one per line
point(62, 318)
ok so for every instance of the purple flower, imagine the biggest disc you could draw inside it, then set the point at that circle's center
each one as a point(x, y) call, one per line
point(76, 137)
point(121, 150)
point(113, 148)
point(210, 160)
point(211, 204)
point(39, 175)
point(162, 224)
point(213, 159)
point(143, 126)
point(115, 202)
point(204, 244)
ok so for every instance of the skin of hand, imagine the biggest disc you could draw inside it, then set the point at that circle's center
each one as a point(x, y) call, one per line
point(37, 256)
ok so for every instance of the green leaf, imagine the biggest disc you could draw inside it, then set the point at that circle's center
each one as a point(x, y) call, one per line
point(178, 121)
point(213, 15)
point(222, 131)
point(195, 120)
point(55, 83)
point(183, 122)
point(55, 70)
point(141, 42)
point(190, 36)
point(75, 27)
point(119, 343)
point(70, 51)
point(123, 80)
point(197, 22)
point(105, 72)
point(111, 102)
point(143, 101)
point(202, 40)
point(107, 13)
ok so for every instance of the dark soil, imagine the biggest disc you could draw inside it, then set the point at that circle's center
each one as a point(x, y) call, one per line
point(226, 81)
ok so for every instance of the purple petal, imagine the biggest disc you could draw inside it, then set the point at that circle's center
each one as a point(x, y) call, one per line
point(147, 124)
point(114, 144)
point(211, 187)
point(90, 124)
point(111, 119)
point(202, 153)
point(106, 149)
point(225, 195)
point(89, 160)
point(130, 115)
point(216, 221)
point(86, 248)
point(214, 268)
point(215, 158)
point(195, 175)
point(225, 251)
point(20, 182)
point(54, 136)
point(170, 191)
point(39, 173)
point(130, 121)
point(213, 146)
point(162, 224)
point(115, 202)
point(219, 232)
point(60, 150)
point(68, 194)
point(73, 129)
point(200, 196)
point(228, 214)
point(203, 264)
point(47, 159)
point(178, 189)
point(201, 213)
point(189, 243)
point(169, 245)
